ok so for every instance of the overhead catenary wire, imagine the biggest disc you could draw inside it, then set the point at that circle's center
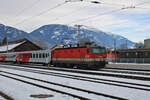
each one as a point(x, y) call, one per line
point(100, 14)
point(41, 13)
point(27, 8)
point(142, 3)
point(133, 6)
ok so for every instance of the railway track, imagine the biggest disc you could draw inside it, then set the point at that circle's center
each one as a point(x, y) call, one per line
point(116, 70)
point(115, 73)
point(4, 96)
point(65, 86)
point(90, 79)
point(81, 77)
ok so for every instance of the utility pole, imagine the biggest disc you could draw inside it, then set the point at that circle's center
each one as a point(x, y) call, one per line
point(7, 43)
point(115, 49)
point(78, 26)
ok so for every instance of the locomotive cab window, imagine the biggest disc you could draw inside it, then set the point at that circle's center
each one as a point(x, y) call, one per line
point(98, 50)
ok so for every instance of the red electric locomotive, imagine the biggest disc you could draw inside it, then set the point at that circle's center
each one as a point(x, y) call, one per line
point(82, 57)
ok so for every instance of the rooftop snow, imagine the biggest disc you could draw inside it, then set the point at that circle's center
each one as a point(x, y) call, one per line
point(10, 46)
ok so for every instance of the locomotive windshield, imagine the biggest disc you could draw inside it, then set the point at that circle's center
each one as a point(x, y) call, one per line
point(98, 50)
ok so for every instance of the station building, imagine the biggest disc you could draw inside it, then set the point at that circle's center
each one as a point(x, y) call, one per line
point(18, 46)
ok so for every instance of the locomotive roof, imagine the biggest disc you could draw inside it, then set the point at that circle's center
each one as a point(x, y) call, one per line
point(78, 47)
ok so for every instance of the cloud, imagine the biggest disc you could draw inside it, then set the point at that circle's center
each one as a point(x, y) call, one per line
point(102, 16)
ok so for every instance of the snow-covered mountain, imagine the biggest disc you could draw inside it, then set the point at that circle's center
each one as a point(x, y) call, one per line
point(15, 34)
point(11, 33)
point(56, 34)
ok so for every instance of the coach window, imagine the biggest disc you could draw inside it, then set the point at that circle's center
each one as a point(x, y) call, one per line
point(36, 55)
point(43, 55)
point(40, 55)
point(33, 55)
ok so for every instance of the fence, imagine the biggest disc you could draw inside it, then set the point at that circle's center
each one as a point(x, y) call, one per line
point(129, 60)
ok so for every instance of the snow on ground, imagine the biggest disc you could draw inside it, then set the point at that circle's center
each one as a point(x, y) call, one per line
point(133, 94)
point(22, 91)
point(91, 96)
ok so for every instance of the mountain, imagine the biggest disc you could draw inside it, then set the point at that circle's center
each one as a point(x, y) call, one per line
point(15, 34)
point(56, 34)
point(11, 33)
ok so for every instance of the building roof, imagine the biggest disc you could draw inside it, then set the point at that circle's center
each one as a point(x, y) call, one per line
point(14, 45)
point(10, 46)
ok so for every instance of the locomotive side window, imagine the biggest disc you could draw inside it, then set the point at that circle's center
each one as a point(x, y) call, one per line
point(95, 51)
point(88, 51)
point(98, 51)
point(78, 50)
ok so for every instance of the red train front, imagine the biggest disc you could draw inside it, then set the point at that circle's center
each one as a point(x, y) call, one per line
point(82, 57)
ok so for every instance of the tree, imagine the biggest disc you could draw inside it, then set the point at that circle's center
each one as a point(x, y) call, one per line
point(139, 45)
point(5, 40)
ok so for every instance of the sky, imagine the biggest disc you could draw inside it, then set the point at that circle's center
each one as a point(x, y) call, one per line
point(128, 18)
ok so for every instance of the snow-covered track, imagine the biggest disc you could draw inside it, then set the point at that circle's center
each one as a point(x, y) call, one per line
point(126, 71)
point(88, 79)
point(44, 87)
point(65, 86)
point(5, 96)
point(112, 74)
point(119, 74)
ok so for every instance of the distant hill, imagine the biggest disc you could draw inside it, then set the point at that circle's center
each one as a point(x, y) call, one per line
point(15, 34)
point(56, 34)
point(11, 33)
